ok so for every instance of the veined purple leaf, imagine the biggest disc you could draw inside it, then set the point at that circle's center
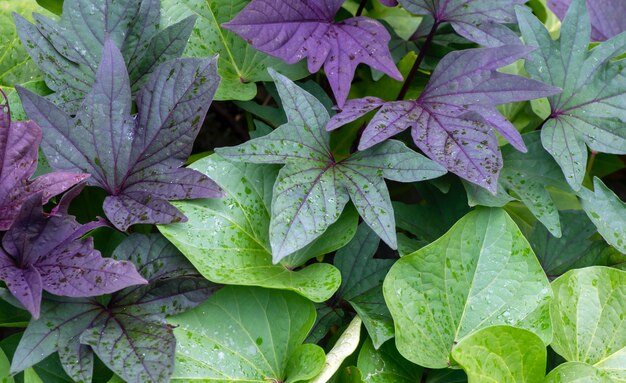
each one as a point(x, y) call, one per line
point(19, 143)
point(136, 159)
point(479, 21)
point(40, 253)
point(454, 118)
point(297, 29)
point(129, 333)
point(313, 188)
point(607, 16)
point(68, 51)
point(591, 111)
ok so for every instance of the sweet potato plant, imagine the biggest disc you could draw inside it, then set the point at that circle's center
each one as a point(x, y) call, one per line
point(282, 191)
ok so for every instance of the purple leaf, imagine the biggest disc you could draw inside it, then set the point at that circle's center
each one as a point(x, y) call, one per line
point(295, 29)
point(607, 16)
point(129, 333)
point(389, 3)
point(135, 159)
point(454, 118)
point(42, 253)
point(313, 188)
point(19, 143)
point(479, 21)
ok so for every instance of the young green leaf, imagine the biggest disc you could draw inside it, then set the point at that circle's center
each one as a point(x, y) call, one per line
point(5, 367)
point(227, 239)
point(591, 110)
point(588, 319)
point(480, 273)
point(246, 334)
point(68, 51)
point(502, 354)
point(576, 372)
point(607, 212)
point(313, 188)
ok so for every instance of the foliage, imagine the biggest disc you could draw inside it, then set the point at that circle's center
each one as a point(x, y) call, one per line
point(450, 211)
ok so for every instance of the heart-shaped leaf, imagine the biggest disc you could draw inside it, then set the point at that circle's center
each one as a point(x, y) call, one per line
point(502, 354)
point(576, 372)
point(135, 159)
point(386, 365)
point(68, 51)
point(239, 64)
point(480, 273)
point(591, 109)
point(588, 319)
point(227, 239)
point(313, 188)
point(247, 334)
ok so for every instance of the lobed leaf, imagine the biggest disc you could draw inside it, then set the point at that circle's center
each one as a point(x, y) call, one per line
point(604, 15)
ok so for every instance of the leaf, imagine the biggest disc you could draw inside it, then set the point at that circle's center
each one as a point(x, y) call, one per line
point(480, 273)
point(576, 248)
point(502, 354)
point(590, 111)
point(19, 143)
point(299, 29)
point(228, 239)
point(575, 372)
point(343, 348)
point(40, 253)
point(386, 365)
point(525, 177)
point(130, 324)
point(588, 319)
point(5, 365)
point(243, 333)
point(239, 64)
point(313, 188)
point(68, 51)
point(140, 169)
point(479, 21)
point(604, 14)
point(607, 212)
point(453, 119)
point(361, 283)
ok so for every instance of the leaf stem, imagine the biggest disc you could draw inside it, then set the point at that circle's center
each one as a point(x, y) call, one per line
point(361, 8)
point(418, 61)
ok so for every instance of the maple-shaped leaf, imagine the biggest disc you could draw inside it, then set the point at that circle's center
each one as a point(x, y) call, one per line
point(453, 119)
point(591, 111)
point(19, 145)
point(128, 333)
point(607, 16)
point(479, 21)
point(297, 29)
point(46, 253)
point(313, 188)
point(136, 159)
point(68, 51)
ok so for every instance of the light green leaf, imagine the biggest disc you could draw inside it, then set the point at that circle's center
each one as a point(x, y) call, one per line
point(30, 376)
point(227, 239)
point(246, 334)
point(343, 348)
point(481, 273)
point(386, 365)
point(575, 372)
point(607, 212)
point(502, 354)
point(5, 369)
point(589, 319)
point(240, 65)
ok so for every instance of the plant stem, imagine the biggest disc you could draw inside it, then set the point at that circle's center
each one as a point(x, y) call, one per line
point(361, 8)
point(418, 61)
point(425, 374)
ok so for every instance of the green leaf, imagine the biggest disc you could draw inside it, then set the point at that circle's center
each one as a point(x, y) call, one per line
point(525, 177)
point(502, 354)
point(343, 348)
point(588, 318)
point(5, 367)
point(591, 110)
point(227, 239)
point(575, 372)
point(607, 212)
point(10, 316)
point(386, 365)
point(481, 273)
point(246, 334)
point(240, 65)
